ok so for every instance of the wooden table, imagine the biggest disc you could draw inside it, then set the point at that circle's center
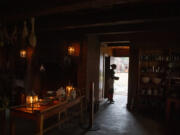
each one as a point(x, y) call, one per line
point(169, 103)
point(44, 112)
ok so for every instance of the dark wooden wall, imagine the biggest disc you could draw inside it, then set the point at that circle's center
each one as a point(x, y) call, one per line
point(51, 51)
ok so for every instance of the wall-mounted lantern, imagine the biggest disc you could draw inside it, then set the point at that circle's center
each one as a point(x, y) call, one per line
point(74, 49)
point(23, 53)
point(71, 50)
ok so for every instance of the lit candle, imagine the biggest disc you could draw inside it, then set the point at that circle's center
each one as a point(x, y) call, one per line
point(35, 99)
point(32, 101)
point(29, 101)
point(69, 88)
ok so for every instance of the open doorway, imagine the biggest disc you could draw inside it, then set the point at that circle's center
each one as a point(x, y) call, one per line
point(121, 85)
point(117, 54)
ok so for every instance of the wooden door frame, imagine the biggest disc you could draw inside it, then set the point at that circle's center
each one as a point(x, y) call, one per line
point(105, 70)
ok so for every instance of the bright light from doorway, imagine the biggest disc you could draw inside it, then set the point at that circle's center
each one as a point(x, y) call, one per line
point(121, 85)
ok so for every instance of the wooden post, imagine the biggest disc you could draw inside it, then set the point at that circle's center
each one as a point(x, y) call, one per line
point(29, 73)
point(2, 122)
point(12, 124)
point(81, 111)
point(59, 119)
point(168, 107)
point(40, 123)
point(92, 127)
point(91, 113)
point(5, 120)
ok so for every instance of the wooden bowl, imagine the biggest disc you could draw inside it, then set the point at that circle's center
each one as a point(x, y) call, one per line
point(156, 80)
point(145, 79)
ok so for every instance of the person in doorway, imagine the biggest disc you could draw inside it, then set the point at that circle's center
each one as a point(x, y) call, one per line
point(111, 79)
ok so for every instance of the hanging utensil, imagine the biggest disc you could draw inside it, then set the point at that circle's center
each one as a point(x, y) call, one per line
point(32, 37)
point(25, 31)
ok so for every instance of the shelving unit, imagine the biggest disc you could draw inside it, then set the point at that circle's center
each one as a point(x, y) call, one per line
point(155, 65)
point(152, 84)
point(173, 75)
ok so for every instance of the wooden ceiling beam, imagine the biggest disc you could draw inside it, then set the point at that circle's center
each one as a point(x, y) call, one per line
point(130, 28)
point(124, 24)
point(112, 17)
point(82, 5)
point(18, 12)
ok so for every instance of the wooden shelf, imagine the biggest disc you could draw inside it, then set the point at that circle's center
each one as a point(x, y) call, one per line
point(160, 97)
point(152, 74)
point(150, 85)
point(153, 63)
point(161, 63)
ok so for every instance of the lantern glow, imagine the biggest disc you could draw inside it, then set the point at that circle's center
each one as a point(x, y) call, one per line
point(29, 100)
point(32, 102)
point(74, 49)
point(35, 99)
point(69, 88)
point(71, 50)
point(23, 53)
